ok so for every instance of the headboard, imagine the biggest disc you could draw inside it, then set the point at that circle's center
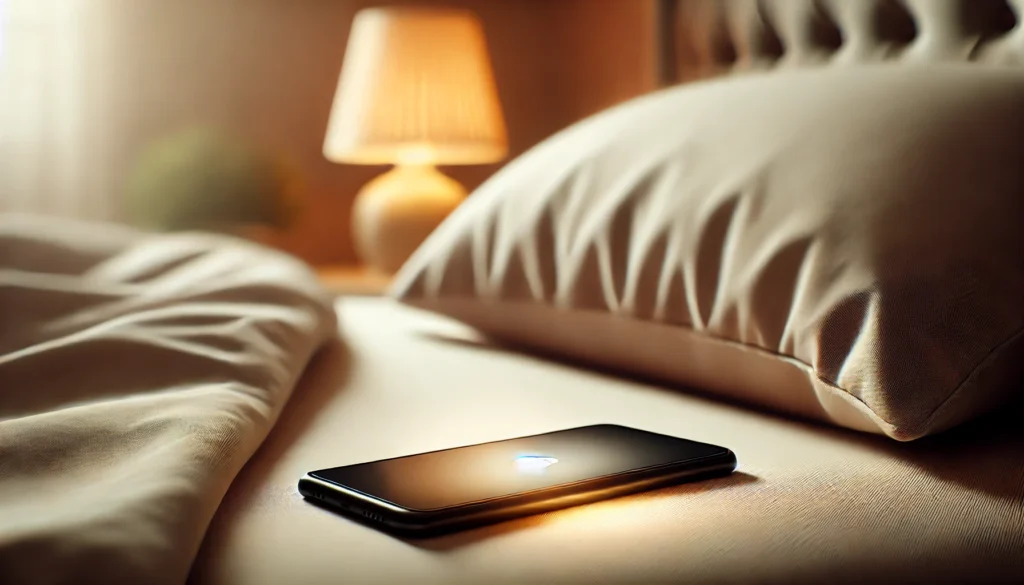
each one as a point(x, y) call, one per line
point(704, 38)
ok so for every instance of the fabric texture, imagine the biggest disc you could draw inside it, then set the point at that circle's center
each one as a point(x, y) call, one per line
point(137, 375)
point(810, 503)
point(839, 244)
point(711, 37)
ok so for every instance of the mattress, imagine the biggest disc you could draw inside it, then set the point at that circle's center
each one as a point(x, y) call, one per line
point(808, 503)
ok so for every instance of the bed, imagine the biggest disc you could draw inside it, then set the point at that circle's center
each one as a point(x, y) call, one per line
point(200, 484)
point(809, 504)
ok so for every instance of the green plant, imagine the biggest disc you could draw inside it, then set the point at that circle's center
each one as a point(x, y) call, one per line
point(204, 179)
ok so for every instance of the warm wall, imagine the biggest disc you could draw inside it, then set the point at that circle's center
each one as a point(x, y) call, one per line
point(267, 69)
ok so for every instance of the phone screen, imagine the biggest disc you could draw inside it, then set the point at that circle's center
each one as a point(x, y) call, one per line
point(464, 475)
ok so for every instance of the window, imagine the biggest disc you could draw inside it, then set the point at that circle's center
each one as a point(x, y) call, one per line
point(39, 103)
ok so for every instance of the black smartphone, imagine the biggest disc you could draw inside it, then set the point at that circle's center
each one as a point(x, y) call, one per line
point(454, 489)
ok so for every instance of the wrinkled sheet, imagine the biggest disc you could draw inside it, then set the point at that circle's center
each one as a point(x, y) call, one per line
point(138, 373)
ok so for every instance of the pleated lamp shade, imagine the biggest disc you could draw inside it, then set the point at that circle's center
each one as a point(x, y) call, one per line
point(416, 87)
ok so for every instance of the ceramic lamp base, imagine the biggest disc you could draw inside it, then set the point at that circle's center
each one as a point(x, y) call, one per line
point(396, 211)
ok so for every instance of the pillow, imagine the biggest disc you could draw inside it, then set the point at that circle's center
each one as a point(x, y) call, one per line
point(842, 244)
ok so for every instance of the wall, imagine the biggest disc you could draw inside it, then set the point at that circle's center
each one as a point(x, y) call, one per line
point(267, 69)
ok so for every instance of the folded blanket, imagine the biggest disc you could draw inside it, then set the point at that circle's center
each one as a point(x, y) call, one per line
point(137, 375)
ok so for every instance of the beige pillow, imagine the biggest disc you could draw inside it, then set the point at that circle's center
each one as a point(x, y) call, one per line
point(843, 244)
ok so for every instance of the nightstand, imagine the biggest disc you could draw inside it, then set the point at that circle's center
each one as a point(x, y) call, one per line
point(353, 280)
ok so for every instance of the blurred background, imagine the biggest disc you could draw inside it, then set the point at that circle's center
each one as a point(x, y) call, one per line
point(97, 95)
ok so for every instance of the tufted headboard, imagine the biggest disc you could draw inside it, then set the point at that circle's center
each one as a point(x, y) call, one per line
point(703, 38)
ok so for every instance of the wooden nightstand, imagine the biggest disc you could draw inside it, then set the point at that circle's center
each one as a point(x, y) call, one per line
point(353, 280)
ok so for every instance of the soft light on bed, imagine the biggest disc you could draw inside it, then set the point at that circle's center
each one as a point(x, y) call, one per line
point(416, 90)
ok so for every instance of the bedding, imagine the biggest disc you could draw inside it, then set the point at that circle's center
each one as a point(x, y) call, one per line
point(137, 375)
point(809, 504)
point(840, 244)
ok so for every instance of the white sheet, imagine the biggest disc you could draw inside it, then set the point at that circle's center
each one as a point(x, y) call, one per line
point(137, 375)
point(810, 504)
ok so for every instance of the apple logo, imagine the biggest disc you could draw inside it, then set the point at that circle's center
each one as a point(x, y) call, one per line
point(534, 463)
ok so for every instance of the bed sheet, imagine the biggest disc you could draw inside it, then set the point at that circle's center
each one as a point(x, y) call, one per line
point(138, 374)
point(808, 503)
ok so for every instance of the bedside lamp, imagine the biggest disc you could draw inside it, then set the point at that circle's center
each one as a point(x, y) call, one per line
point(416, 90)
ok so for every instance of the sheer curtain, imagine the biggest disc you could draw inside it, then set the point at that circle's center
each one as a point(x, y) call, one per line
point(42, 109)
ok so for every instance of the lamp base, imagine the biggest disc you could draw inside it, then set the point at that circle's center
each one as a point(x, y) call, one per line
point(396, 211)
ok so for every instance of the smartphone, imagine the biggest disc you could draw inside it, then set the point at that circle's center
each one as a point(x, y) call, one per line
point(454, 489)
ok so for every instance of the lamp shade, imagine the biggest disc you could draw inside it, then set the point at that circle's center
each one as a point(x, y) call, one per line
point(416, 87)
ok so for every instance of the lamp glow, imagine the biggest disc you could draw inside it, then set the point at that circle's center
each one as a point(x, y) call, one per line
point(416, 90)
